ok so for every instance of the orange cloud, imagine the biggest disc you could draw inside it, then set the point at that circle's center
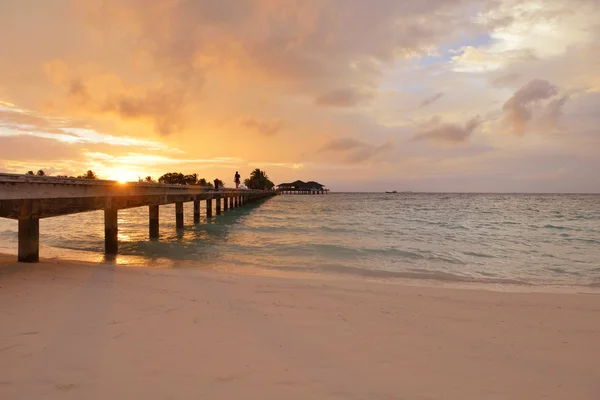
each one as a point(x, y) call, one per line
point(264, 127)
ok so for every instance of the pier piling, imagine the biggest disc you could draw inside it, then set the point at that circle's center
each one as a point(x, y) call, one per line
point(153, 222)
point(218, 200)
point(196, 211)
point(179, 215)
point(209, 208)
point(111, 231)
point(29, 239)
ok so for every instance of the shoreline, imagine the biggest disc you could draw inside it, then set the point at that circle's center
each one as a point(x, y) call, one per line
point(416, 279)
point(94, 331)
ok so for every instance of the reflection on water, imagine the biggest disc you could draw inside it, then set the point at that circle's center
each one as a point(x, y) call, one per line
point(540, 239)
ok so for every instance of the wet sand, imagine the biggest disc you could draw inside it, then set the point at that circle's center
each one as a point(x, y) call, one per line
point(83, 331)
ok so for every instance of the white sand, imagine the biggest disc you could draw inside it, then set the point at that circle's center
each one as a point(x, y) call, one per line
point(75, 331)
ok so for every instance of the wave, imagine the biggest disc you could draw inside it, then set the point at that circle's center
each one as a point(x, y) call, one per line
point(9, 235)
point(563, 271)
point(592, 241)
point(413, 273)
point(550, 226)
point(483, 255)
point(577, 217)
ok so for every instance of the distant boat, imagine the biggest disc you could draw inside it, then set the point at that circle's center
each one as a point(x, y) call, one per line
point(392, 192)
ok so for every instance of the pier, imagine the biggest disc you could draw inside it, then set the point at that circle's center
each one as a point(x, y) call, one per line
point(29, 198)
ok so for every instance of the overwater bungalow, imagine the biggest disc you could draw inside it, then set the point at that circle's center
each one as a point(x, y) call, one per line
point(300, 187)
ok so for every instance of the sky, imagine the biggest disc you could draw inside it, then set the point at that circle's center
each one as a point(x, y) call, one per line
point(360, 95)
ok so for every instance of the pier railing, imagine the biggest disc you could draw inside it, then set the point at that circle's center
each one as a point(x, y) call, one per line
point(28, 198)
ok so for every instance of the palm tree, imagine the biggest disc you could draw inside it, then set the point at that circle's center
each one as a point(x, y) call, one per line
point(258, 180)
point(148, 179)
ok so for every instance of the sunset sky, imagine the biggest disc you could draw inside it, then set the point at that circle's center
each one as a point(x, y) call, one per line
point(427, 95)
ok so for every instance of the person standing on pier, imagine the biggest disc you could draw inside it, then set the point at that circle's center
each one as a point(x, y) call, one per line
point(237, 180)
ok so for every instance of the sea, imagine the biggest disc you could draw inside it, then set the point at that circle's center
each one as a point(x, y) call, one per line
point(531, 240)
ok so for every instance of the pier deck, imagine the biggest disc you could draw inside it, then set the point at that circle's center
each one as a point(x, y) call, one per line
point(29, 198)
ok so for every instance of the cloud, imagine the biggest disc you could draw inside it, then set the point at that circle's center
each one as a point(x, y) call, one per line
point(78, 92)
point(553, 111)
point(17, 120)
point(356, 151)
point(313, 46)
point(38, 151)
point(183, 73)
point(481, 59)
point(163, 104)
point(346, 97)
point(343, 144)
point(22, 122)
point(506, 80)
point(263, 126)
point(436, 130)
point(430, 100)
point(517, 109)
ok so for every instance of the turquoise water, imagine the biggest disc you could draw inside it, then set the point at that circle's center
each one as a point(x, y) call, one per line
point(496, 238)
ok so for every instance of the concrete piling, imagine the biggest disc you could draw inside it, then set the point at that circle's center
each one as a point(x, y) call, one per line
point(111, 231)
point(209, 208)
point(153, 222)
point(179, 215)
point(196, 211)
point(29, 239)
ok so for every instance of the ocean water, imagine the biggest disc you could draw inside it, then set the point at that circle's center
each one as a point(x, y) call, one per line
point(486, 238)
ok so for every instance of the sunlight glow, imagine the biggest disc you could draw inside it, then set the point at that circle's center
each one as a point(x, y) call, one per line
point(121, 175)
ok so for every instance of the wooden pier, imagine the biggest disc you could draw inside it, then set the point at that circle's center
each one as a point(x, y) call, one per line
point(29, 198)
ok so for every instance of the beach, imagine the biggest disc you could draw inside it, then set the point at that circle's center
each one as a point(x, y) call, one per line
point(82, 330)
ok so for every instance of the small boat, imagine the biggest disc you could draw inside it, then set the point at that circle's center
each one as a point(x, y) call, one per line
point(392, 192)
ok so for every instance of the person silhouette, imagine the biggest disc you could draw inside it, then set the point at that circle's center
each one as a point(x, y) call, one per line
point(237, 180)
point(216, 181)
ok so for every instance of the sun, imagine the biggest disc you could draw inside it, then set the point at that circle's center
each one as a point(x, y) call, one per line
point(122, 175)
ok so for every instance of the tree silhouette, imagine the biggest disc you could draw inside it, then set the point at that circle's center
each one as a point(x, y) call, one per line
point(148, 179)
point(40, 173)
point(191, 179)
point(204, 182)
point(29, 173)
point(88, 175)
point(177, 178)
point(219, 183)
point(258, 180)
point(172, 178)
